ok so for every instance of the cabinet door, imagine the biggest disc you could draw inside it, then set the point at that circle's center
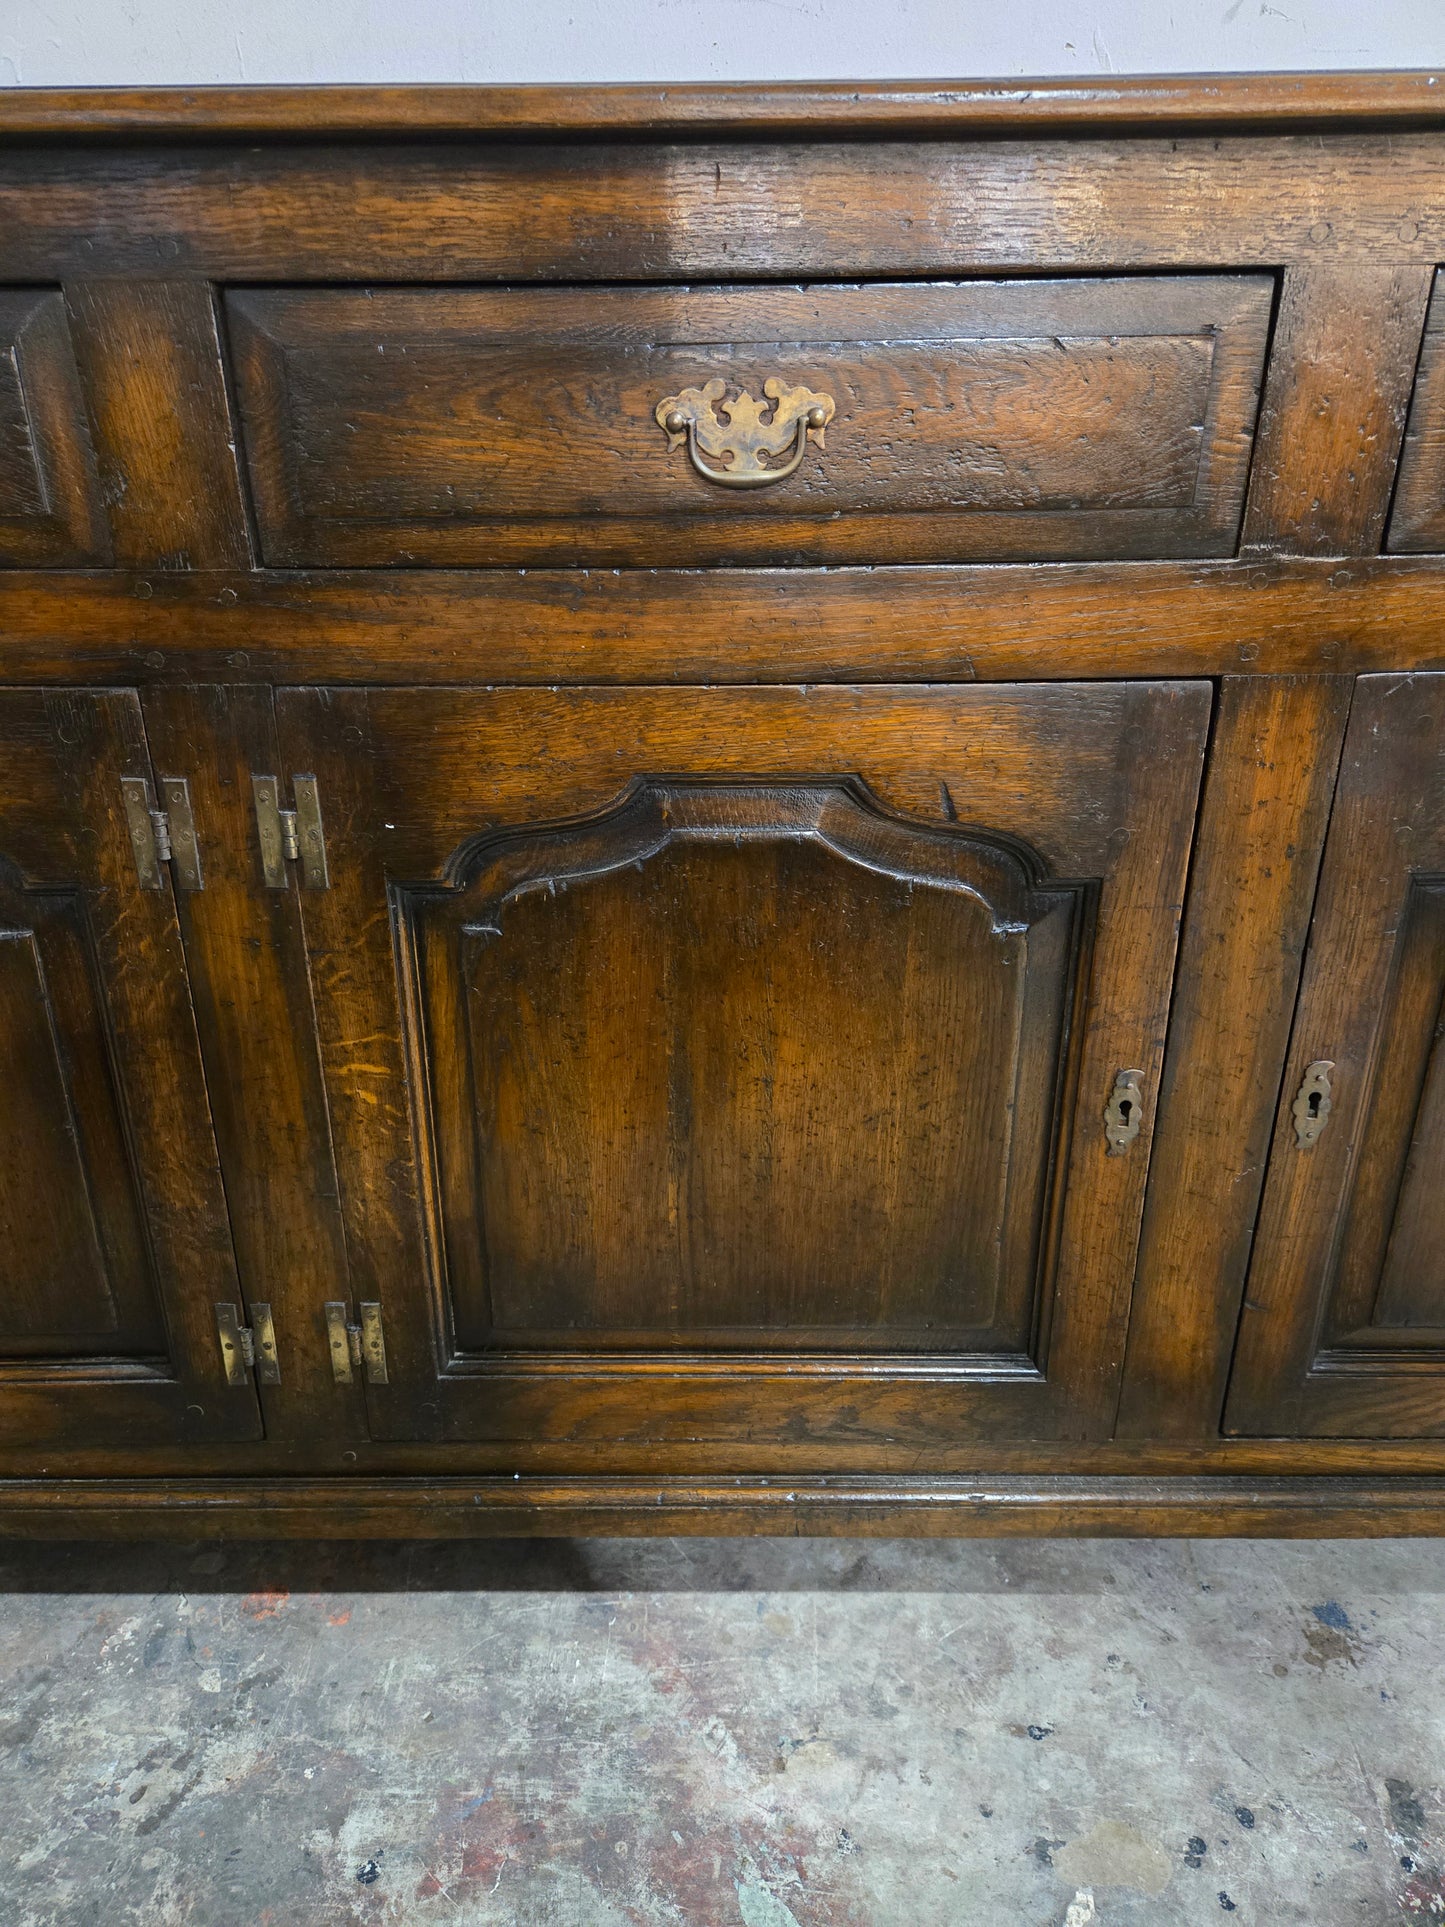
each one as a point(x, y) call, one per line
point(732, 1065)
point(114, 1241)
point(1343, 1331)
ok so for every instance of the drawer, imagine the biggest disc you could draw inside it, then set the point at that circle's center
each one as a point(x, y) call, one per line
point(1417, 524)
point(904, 422)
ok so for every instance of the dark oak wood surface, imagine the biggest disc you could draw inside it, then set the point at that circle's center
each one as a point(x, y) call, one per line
point(448, 213)
point(645, 1112)
point(50, 503)
point(114, 1238)
point(985, 623)
point(257, 1029)
point(994, 419)
point(1274, 754)
point(1418, 522)
point(1343, 1330)
point(165, 442)
point(240, 1508)
point(1346, 341)
point(732, 932)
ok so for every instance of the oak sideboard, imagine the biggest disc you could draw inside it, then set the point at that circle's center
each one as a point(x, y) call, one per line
point(723, 809)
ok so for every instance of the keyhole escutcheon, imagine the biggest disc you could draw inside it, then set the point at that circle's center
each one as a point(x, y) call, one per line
point(1124, 1112)
point(1313, 1103)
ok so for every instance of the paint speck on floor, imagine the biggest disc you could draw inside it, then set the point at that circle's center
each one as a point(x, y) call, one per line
point(698, 1733)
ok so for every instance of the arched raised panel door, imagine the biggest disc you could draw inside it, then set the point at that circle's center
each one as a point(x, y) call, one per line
point(114, 1241)
point(729, 1069)
point(1343, 1330)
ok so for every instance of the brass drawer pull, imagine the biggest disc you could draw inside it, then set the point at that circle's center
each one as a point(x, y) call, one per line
point(737, 434)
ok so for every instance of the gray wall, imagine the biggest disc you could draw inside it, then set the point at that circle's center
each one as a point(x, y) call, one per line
point(48, 43)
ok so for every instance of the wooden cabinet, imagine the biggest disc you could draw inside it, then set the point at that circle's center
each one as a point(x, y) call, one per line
point(721, 810)
point(115, 1248)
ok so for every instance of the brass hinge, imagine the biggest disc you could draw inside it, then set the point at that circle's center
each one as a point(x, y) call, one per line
point(290, 835)
point(355, 1346)
point(160, 836)
point(245, 1350)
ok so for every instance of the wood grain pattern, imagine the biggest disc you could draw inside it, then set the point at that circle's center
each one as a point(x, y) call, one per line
point(257, 1027)
point(1342, 365)
point(1005, 420)
point(1263, 101)
point(136, 1101)
point(74, 1269)
point(1270, 782)
point(1389, 1286)
point(1318, 1352)
point(647, 1134)
point(155, 386)
point(413, 778)
point(240, 1508)
point(809, 1182)
point(50, 509)
point(1417, 523)
point(760, 1457)
point(985, 623)
point(442, 212)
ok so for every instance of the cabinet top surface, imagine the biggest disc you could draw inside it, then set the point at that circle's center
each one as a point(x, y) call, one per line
point(1148, 102)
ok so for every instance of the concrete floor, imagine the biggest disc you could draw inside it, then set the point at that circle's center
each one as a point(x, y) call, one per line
point(699, 1732)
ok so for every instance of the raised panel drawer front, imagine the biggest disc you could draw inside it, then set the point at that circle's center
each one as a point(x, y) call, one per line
point(114, 1241)
point(1344, 1325)
point(768, 1066)
point(50, 507)
point(921, 422)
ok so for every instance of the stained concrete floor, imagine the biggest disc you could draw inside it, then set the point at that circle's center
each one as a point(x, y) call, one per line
point(707, 1732)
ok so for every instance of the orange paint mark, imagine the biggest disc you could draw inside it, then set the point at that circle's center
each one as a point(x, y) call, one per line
point(264, 1605)
point(339, 1619)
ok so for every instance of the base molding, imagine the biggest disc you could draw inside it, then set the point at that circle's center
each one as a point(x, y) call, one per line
point(461, 1508)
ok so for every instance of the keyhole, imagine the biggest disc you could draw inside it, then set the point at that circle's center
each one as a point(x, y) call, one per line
point(1126, 1105)
point(1314, 1103)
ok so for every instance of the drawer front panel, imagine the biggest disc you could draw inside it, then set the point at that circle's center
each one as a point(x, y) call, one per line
point(898, 423)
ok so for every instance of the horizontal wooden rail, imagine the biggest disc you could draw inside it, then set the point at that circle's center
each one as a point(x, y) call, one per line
point(991, 623)
point(241, 1508)
point(988, 106)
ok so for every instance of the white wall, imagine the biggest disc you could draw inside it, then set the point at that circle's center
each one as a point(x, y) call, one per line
point(48, 43)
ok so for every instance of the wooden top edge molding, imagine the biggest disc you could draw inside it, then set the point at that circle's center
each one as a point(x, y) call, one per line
point(863, 107)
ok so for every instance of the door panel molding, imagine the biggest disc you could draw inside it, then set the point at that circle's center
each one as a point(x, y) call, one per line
point(423, 789)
